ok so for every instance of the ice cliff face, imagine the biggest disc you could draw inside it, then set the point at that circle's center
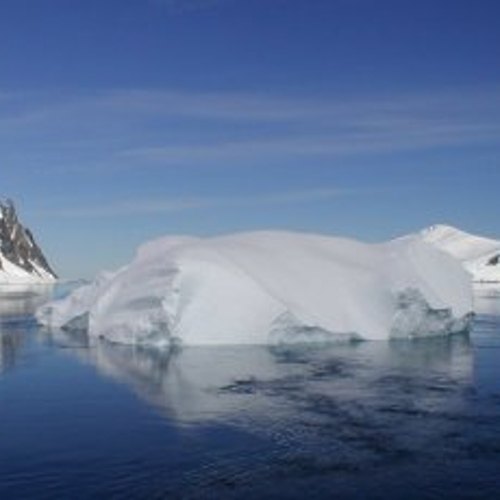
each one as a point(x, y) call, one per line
point(480, 256)
point(21, 259)
point(270, 288)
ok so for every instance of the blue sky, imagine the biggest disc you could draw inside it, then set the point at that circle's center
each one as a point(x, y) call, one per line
point(122, 120)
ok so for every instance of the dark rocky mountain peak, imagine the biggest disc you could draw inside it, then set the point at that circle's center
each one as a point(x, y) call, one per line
point(18, 246)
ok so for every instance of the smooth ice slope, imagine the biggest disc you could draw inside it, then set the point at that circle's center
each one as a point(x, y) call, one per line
point(271, 287)
point(480, 256)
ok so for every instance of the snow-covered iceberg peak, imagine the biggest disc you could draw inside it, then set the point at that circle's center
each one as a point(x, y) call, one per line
point(479, 255)
point(269, 287)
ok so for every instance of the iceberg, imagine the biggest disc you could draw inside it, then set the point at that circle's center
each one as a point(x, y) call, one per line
point(270, 287)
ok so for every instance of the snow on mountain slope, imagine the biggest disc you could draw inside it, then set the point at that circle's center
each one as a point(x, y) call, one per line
point(21, 259)
point(480, 256)
point(271, 287)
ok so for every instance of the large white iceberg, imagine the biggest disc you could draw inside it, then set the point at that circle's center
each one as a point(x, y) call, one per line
point(271, 287)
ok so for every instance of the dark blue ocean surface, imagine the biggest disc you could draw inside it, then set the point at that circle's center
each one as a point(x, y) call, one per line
point(384, 420)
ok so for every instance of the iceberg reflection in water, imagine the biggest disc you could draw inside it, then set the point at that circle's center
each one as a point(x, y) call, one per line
point(235, 383)
point(22, 299)
point(17, 303)
point(331, 419)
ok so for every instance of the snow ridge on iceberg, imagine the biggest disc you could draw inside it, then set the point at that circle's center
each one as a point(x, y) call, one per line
point(480, 256)
point(270, 287)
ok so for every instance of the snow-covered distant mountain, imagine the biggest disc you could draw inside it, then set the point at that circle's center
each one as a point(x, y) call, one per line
point(480, 256)
point(21, 259)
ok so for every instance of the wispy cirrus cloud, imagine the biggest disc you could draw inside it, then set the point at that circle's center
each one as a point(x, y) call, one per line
point(455, 104)
point(390, 137)
point(191, 203)
point(124, 128)
point(112, 105)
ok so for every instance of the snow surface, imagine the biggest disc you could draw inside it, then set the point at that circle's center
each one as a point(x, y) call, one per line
point(10, 274)
point(480, 256)
point(270, 287)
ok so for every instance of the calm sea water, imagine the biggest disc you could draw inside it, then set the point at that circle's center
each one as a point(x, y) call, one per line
point(370, 420)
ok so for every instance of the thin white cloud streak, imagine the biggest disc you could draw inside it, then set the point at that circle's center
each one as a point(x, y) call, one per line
point(176, 205)
point(459, 104)
point(121, 129)
point(246, 107)
point(151, 104)
point(358, 143)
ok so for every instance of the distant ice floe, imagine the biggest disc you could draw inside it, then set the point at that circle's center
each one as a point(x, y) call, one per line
point(270, 288)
